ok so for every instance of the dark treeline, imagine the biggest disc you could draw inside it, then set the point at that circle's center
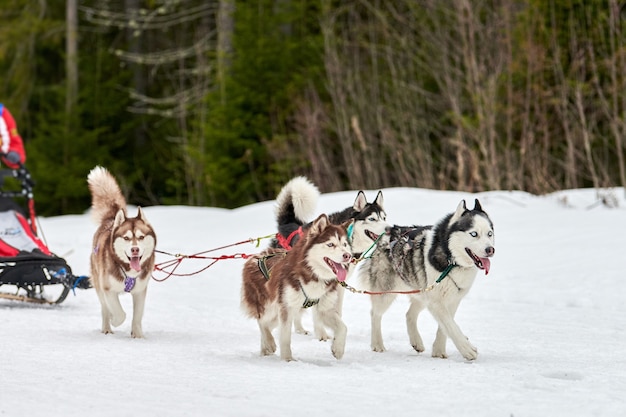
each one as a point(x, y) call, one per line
point(209, 102)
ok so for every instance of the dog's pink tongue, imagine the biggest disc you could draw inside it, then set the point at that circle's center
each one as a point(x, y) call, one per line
point(134, 263)
point(486, 264)
point(342, 272)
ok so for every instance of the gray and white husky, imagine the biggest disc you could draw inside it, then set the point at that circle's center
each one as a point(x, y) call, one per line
point(439, 263)
point(122, 258)
point(295, 204)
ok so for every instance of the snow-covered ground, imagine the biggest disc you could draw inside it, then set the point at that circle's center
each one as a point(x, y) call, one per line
point(549, 322)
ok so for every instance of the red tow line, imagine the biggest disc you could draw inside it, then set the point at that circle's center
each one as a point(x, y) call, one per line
point(169, 267)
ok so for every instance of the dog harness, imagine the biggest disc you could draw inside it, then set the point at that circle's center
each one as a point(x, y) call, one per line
point(285, 242)
point(262, 264)
point(129, 282)
point(308, 302)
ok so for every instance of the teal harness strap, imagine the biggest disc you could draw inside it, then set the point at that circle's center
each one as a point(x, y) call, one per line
point(445, 272)
point(370, 251)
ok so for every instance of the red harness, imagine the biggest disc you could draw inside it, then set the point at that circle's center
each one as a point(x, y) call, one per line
point(286, 242)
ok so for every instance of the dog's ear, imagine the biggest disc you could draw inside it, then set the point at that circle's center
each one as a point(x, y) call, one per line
point(460, 210)
point(120, 217)
point(318, 225)
point(379, 200)
point(477, 205)
point(141, 216)
point(359, 202)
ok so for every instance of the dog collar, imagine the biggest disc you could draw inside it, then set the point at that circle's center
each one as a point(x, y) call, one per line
point(350, 232)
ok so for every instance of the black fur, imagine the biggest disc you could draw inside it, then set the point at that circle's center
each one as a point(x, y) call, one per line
point(289, 223)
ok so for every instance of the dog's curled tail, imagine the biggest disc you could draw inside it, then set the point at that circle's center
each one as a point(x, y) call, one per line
point(106, 196)
point(296, 202)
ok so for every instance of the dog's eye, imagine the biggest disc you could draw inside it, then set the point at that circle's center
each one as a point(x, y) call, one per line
point(473, 234)
point(330, 244)
point(140, 237)
point(371, 219)
point(126, 238)
point(490, 233)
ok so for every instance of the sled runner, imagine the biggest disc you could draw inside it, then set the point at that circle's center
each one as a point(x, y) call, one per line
point(28, 269)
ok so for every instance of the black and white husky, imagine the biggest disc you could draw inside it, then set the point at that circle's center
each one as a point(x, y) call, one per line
point(296, 203)
point(439, 263)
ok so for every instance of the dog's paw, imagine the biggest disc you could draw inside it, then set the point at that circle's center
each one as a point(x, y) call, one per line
point(268, 349)
point(439, 351)
point(118, 319)
point(469, 351)
point(107, 331)
point(337, 350)
point(322, 337)
point(378, 348)
point(301, 330)
point(418, 348)
point(136, 334)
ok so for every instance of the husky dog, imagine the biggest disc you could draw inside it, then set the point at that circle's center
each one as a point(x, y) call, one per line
point(296, 203)
point(308, 275)
point(440, 263)
point(122, 259)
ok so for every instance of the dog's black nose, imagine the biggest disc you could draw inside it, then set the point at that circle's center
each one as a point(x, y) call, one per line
point(490, 250)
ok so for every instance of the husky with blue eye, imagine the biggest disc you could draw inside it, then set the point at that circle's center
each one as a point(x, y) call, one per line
point(438, 264)
point(296, 203)
point(278, 284)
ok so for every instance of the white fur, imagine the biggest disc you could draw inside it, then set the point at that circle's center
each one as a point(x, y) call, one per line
point(443, 300)
point(304, 195)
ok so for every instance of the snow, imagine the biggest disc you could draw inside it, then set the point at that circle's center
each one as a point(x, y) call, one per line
point(549, 322)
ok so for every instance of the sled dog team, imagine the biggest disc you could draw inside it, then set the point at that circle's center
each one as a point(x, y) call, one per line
point(306, 266)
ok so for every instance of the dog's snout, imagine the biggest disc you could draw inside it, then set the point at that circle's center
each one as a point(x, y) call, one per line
point(347, 257)
point(490, 250)
point(134, 251)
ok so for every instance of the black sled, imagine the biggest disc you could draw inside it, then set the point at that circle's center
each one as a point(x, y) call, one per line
point(28, 269)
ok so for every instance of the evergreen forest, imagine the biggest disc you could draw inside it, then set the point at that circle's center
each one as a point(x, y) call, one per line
point(220, 102)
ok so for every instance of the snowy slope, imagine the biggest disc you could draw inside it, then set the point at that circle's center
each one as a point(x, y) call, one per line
point(549, 322)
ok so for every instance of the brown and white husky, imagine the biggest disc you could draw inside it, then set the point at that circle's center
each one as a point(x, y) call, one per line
point(122, 258)
point(277, 284)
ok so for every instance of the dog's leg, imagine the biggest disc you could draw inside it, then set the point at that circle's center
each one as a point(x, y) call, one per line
point(411, 324)
point(268, 345)
point(139, 301)
point(447, 326)
point(320, 329)
point(106, 316)
point(297, 323)
point(115, 308)
point(333, 320)
point(439, 345)
point(286, 321)
point(380, 304)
